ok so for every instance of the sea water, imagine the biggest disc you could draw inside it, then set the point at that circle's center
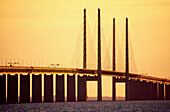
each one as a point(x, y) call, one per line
point(90, 106)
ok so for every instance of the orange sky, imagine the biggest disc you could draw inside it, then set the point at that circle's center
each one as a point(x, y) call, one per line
point(48, 30)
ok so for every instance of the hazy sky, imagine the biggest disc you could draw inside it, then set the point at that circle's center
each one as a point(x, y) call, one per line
point(48, 30)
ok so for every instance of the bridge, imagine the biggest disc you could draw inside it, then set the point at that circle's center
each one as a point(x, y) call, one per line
point(137, 86)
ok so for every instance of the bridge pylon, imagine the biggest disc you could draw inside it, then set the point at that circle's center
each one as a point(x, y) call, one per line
point(84, 42)
point(127, 96)
point(114, 64)
point(99, 59)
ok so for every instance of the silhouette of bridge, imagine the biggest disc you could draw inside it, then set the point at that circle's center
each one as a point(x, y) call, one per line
point(137, 86)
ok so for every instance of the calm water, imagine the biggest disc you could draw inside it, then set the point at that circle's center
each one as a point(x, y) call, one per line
point(118, 106)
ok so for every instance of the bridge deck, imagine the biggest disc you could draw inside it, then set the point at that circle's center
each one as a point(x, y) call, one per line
point(20, 69)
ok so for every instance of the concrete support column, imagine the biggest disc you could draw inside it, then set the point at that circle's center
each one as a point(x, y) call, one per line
point(150, 91)
point(133, 86)
point(154, 91)
point(167, 88)
point(36, 88)
point(12, 86)
point(130, 89)
point(146, 89)
point(138, 81)
point(71, 88)
point(141, 90)
point(82, 88)
point(48, 88)
point(2, 89)
point(161, 91)
point(24, 88)
point(60, 94)
point(113, 88)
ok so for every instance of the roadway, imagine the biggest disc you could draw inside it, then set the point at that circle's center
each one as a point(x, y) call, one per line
point(58, 70)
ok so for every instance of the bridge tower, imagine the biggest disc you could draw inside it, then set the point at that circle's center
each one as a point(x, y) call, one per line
point(99, 59)
point(127, 64)
point(114, 64)
point(82, 85)
point(84, 42)
point(85, 55)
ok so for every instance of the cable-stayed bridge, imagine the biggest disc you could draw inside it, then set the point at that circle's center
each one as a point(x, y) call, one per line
point(138, 87)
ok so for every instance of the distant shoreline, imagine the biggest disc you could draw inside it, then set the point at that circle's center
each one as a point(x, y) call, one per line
point(105, 98)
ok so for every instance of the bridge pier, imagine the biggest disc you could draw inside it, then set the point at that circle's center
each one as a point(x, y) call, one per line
point(60, 96)
point(12, 86)
point(24, 88)
point(48, 88)
point(154, 91)
point(138, 81)
point(141, 90)
point(167, 88)
point(2, 89)
point(161, 91)
point(82, 88)
point(133, 89)
point(71, 88)
point(147, 90)
point(36, 88)
point(113, 88)
point(150, 97)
